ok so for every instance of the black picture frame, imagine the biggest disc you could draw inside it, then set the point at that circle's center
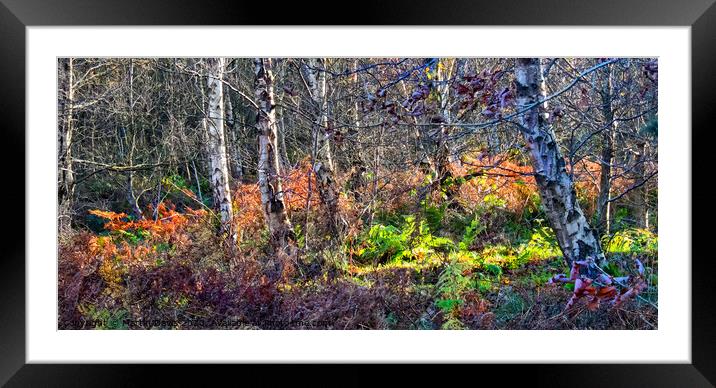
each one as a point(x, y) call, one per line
point(15, 15)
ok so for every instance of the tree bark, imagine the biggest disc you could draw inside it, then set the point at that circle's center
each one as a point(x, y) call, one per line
point(65, 175)
point(444, 155)
point(132, 198)
point(323, 165)
point(268, 165)
point(283, 154)
point(316, 81)
point(217, 144)
point(233, 148)
point(354, 154)
point(607, 157)
point(641, 208)
point(135, 211)
point(577, 240)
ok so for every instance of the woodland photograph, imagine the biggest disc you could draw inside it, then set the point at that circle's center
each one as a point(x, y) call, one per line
point(357, 193)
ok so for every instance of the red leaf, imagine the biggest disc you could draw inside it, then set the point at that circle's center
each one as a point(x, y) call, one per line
point(607, 292)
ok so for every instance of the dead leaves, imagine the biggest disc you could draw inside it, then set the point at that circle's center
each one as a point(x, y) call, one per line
point(602, 288)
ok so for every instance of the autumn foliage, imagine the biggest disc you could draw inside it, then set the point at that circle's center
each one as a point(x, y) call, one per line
point(171, 266)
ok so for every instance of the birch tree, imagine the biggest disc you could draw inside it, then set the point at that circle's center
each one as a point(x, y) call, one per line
point(354, 155)
point(217, 145)
point(641, 208)
point(235, 153)
point(607, 156)
point(577, 240)
point(65, 176)
point(444, 155)
point(269, 178)
point(131, 145)
point(323, 166)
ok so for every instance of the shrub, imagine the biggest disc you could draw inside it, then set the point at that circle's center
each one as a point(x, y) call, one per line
point(451, 285)
point(471, 231)
point(632, 241)
point(459, 296)
point(542, 245)
point(383, 243)
point(434, 215)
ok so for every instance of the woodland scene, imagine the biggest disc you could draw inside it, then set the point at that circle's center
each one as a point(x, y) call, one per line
point(357, 193)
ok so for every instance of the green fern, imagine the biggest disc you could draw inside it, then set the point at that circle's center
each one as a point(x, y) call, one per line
point(471, 232)
point(385, 243)
point(434, 215)
point(541, 246)
point(632, 241)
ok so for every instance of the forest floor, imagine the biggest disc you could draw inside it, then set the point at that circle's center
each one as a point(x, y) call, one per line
point(442, 265)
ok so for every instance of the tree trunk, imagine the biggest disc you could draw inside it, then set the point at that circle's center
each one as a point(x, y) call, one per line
point(316, 80)
point(233, 149)
point(323, 165)
point(65, 176)
point(354, 154)
point(641, 207)
point(444, 155)
point(577, 240)
point(607, 157)
point(131, 198)
point(217, 145)
point(198, 184)
point(268, 165)
point(283, 154)
point(135, 211)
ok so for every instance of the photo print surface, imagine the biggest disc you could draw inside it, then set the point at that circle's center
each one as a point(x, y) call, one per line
point(357, 193)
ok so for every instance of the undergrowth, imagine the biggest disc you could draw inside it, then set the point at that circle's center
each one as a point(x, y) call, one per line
point(473, 256)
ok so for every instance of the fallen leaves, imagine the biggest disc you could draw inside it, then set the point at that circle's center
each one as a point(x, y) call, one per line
point(602, 288)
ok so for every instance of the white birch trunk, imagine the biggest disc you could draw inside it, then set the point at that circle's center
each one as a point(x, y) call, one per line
point(65, 176)
point(233, 148)
point(445, 156)
point(577, 240)
point(354, 154)
point(217, 144)
point(323, 166)
point(607, 157)
point(316, 80)
point(641, 206)
point(268, 164)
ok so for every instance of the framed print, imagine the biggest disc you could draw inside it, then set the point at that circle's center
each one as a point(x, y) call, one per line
point(482, 184)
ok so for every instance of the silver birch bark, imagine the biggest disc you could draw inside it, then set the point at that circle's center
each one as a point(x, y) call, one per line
point(641, 207)
point(323, 165)
point(444, 155)
point(607, 157)
point(217, 144)
point(131, 198)
point(283, 156)
point(354, 154)
point(316, 80)
point(577, 240)
point(233, 148)
point(65, 176)
point(268, 165)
